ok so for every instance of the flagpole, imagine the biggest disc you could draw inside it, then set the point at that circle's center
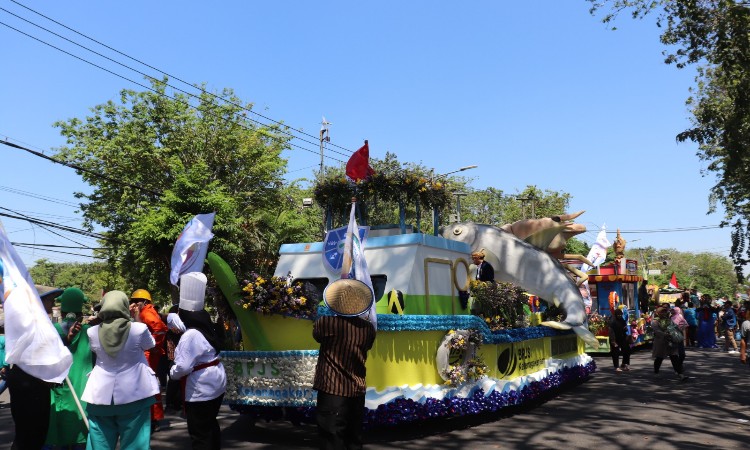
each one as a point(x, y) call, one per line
point(346, 265)
point(78, 402)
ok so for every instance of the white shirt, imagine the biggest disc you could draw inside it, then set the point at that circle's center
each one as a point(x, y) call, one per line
point(205, 384)
point(126, 377)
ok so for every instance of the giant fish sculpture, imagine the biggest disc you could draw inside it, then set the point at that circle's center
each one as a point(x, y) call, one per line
point(525, 265)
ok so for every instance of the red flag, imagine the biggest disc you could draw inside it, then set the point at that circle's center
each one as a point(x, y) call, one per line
point(673, 282)
point(358, 167)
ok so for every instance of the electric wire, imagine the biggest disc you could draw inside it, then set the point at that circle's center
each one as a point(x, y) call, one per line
point(77, 167)
point(158, 70)
point(38, 196)
point(26, 244)
point(149, 88)
point(281, 130)
point(63, 252)
point(189, 94)
point(53, 225)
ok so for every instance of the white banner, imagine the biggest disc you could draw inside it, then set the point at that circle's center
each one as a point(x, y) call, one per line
point(358, 269)
point(31, 341)
point(598, 252)
point(191, 247)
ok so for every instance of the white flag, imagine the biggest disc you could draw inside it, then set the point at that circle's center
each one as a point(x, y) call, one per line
point(598, 252)
point(191, 247)
point(355, 247)
point(31, 340)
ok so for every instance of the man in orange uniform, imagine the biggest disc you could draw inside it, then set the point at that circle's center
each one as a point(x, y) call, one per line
point(143, 311)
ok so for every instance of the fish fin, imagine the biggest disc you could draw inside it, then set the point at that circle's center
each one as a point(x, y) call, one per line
point(583, 332)
point(557, 325)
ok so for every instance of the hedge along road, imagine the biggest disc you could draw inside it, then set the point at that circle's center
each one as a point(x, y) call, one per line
point(629, 410)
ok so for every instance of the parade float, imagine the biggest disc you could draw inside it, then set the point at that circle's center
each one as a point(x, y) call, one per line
point(616, 286)
point(432, 358)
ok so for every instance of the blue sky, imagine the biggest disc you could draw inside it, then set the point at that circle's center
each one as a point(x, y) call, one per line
point(535, 93)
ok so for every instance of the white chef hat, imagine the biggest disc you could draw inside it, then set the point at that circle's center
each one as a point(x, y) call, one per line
point(192, 291)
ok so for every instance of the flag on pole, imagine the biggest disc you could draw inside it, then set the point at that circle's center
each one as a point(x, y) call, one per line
point(191, 247)
point(598, 252)
point(31, 340)
point(354, 251)
point(358, 166)
point(673, 282)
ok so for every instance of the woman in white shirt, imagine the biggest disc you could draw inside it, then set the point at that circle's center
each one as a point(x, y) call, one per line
point(121, 388)
point(196, 363)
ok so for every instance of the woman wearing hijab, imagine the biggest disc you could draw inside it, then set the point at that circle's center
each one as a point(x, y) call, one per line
point(707, 314)
point(662, 346)
point(619, 341)
point(121, 388)
point(197, 365)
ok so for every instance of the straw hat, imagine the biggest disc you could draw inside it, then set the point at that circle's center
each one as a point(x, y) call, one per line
point(348, 297)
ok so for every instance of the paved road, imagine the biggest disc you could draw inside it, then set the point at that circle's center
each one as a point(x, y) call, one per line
point(632, 410)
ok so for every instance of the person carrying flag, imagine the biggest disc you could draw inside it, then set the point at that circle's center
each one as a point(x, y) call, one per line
point(30, 396)
point(142, 310)
point(345, 339)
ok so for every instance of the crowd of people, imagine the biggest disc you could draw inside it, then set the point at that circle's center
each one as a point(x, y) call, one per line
point(691, 321)
point(111, 397)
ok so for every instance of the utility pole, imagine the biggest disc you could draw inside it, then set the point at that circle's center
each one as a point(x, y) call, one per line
point(532, 201)
point(458, 196)
point(324, 137)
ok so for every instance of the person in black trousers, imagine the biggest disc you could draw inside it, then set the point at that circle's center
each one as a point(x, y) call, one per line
point(29, 396)
point(340, 379)
point(29, 407)
point(619, 341)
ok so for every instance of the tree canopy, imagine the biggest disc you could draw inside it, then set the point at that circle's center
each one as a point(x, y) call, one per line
point(713, 35)
point(91, 278)
point(166, 157)
point(709, 273)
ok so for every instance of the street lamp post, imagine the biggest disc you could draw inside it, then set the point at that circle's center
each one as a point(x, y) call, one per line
point(455, 171)
point(435, 213)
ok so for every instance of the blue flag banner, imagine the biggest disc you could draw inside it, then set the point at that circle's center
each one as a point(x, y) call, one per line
point(333, 247)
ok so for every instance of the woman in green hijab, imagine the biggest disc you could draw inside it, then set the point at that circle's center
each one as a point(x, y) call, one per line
point(67, 429)
point(119, 410)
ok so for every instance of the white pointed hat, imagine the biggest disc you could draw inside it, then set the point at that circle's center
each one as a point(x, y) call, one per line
point(192, 291)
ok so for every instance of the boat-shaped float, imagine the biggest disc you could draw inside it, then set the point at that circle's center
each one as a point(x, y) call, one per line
point(415, 370)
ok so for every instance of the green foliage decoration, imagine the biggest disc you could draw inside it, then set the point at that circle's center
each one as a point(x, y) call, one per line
point(500, 305)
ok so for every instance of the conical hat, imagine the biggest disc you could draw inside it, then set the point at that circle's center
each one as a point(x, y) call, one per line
point(348, 297)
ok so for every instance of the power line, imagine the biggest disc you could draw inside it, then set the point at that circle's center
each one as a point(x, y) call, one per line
point(25, 244)
point(282, 130)
point(62, 252)
point(657, 230)
point(161, 94)
point(53, 225)
point(77, 167)
point(156, 69)
point(38, 196)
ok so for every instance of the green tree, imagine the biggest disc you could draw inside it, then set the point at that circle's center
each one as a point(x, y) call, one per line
point(393, 187)
point(167, 157)
point(712, 35)
point(492, 207)
point(92, 278)
point(707, 272)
